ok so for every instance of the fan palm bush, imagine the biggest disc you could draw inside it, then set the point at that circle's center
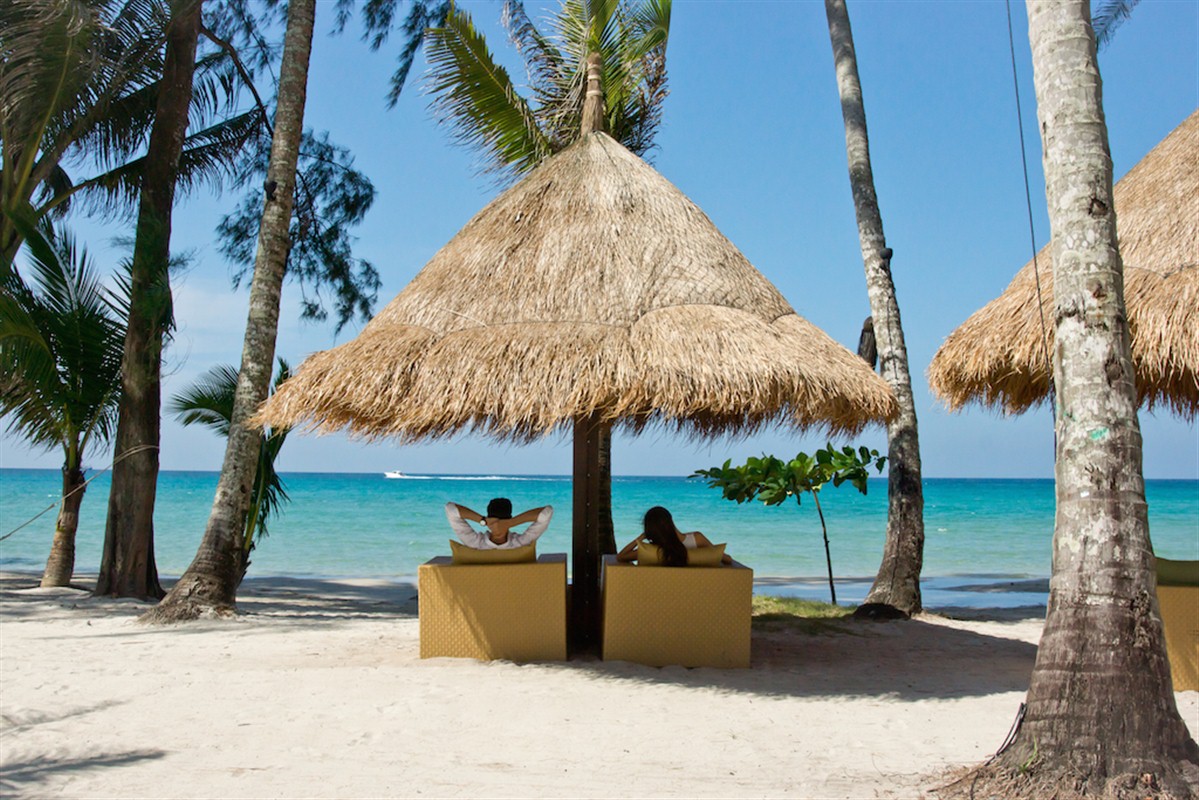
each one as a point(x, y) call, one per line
point(61, 340)
point(209, 402)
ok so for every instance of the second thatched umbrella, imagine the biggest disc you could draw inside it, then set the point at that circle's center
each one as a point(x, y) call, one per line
point(593, 292)
point(999, 356)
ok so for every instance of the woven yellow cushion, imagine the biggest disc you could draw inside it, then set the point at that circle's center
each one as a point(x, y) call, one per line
point(461, 554)
point(651, 555)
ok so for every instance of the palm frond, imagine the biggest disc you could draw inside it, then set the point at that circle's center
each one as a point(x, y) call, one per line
point(48, 57)
point(208, 401)
point(209, 157)
point(631, 40)
point(544, 62)
point(475, 96)
point(116, 94)
point(1108, 16)
point(61, 343)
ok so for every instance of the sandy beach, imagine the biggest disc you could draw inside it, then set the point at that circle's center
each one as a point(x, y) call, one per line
point(317, 690)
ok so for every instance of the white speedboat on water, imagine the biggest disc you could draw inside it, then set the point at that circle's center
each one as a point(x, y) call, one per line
point(395, 473)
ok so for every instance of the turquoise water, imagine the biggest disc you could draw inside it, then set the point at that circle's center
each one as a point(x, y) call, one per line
point(994, 532)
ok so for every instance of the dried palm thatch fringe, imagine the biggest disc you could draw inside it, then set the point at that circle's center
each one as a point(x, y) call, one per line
point(995, 358)
point(592, 286)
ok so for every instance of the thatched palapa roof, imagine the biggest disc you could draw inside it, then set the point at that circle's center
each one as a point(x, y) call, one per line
point(997, 358)
point(592, 286)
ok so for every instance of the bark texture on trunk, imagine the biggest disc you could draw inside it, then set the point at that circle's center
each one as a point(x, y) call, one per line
point(127, 567)
point(898, 581)
point(592, 526)
point(209, 586)
point(60, 566)
point(1101, 716)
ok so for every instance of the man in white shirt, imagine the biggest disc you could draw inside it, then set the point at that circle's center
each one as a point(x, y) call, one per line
point(498, 524)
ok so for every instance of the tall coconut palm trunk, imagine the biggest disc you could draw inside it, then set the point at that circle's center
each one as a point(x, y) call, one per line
point(210, 584)
point(60, 566)
point(1101, 716)
point(127, 566)
point(898, 581)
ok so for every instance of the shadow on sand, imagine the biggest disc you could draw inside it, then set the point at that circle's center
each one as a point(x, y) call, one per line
point(910, 660)
point(31, 774)
point(300, 600)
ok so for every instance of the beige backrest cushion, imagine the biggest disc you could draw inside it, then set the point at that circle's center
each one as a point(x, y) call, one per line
point(649, 554)
point(461, 554)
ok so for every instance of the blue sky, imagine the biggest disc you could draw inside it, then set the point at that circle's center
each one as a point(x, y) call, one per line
point(752, 133)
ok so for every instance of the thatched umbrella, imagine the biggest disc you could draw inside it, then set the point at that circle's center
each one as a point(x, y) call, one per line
point(592, 292)
point(998, 356)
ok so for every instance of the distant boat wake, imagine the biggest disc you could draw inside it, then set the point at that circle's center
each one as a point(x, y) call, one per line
point(402, 476)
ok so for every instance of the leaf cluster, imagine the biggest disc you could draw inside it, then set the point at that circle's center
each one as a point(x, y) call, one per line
point(79, 83)
point(379, 18)
point(514, 128)
point(62, 336)
point(331, 198)
point(772, 480)
point(209, 402)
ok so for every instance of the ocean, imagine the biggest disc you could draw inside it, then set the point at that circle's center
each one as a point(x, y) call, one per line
point(987, 541)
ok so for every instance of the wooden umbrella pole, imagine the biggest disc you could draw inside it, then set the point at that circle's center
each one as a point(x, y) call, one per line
point(586, 546)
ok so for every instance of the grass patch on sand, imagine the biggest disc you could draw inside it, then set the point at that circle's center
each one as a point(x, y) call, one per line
point(791, 613)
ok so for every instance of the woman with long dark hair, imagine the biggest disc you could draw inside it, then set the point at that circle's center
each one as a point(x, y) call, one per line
point(658, 529)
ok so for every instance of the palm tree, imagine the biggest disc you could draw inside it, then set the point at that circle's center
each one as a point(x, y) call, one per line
point(209, 402)
point(60, 354)
point(615, 48)
point(210, 582)
point(1101, 717)
point(127, 566)
point(897, 584)
point(478, 100)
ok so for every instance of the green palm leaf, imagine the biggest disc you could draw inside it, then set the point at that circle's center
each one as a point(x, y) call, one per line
point(208, 157)
point(209, 402)
point(477, 99)
point(61, 342)
point(486, 112)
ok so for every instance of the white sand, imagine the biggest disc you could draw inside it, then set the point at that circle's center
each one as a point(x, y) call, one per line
point(318, 691)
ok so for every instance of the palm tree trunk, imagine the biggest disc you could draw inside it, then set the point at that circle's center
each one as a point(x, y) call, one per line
point(898, 581)
point(127, 567)
point(591, 504)
point(60, 566)
point(210, 583)
point(1101, 714)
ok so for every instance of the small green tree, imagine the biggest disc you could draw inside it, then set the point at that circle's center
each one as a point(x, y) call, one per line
point(209, 402)
point(772, 481)
point(61, 336)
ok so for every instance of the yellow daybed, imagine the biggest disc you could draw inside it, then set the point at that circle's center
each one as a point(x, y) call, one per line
point(691, 616)
point(1178, 598)
point(493, 611)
